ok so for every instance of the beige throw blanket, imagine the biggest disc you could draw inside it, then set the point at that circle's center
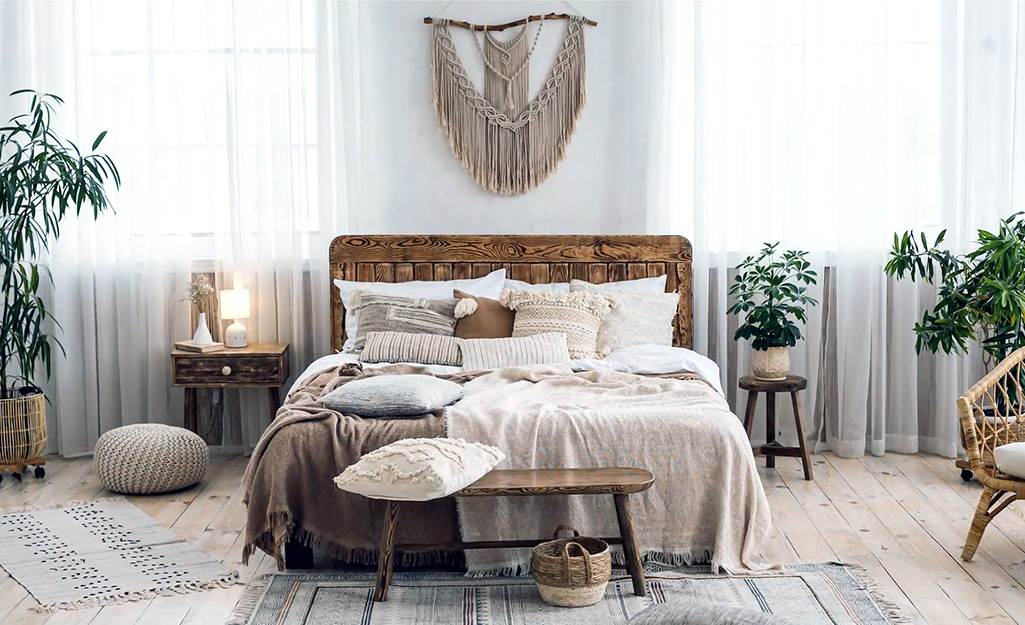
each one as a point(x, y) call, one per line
point(707, 502)
point(707, 498)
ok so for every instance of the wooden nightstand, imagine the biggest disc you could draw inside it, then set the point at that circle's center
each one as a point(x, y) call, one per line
point(263, 365)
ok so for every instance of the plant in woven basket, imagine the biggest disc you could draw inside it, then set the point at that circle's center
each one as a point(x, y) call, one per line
point(42, 179)
point(771, 291)
point(981, 294)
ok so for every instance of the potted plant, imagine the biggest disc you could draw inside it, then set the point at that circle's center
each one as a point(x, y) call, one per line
point(980, 297)
point(770, 290)
point(981, 294)
point(42, 178)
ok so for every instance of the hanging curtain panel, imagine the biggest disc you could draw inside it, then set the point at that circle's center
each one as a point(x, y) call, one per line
point(235, 128)
point(829, 126)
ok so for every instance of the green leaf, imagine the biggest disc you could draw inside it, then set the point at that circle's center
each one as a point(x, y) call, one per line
point(99, 139)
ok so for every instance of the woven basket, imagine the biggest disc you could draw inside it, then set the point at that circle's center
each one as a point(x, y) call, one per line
point(22, 428)
point(571, 572)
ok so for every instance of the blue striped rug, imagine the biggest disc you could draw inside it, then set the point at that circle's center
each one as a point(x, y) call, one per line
point(805, 594)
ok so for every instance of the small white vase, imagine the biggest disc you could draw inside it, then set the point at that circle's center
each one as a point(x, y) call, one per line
point(202, 335)
point(771, 364)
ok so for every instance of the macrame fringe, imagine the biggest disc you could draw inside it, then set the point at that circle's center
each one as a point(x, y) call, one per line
point(57, 506)
point(251, 598)
point(509, 155)
point(890, 610)
point(184, 588)
point(598, 305)
point(282, 527)
point(673, 560)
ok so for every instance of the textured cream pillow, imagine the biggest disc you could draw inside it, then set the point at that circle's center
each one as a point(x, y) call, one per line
point(419, 469)
point(637, 319)
point(577, 315)
point(424, 349)
point(537, 349)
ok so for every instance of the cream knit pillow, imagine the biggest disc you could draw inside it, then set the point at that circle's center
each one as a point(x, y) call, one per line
point(419, 469)
point(577, 315)
point(639, 318)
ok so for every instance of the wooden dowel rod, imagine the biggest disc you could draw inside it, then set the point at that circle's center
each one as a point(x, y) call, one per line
point(532, 18)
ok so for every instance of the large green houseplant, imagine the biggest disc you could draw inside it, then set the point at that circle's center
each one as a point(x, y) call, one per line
point(42, 178)
point(771, 291)
point(980, 294)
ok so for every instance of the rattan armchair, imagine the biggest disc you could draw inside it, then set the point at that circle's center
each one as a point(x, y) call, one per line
point(991, 413)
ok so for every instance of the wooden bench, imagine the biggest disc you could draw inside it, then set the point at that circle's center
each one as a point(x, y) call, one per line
point(618, 482)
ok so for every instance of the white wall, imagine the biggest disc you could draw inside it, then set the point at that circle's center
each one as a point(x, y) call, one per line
point(412, 183)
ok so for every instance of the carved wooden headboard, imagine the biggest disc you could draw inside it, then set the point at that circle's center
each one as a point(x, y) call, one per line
point(537, 259)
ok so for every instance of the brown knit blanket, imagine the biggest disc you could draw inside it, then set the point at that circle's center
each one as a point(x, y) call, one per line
point(288, 484)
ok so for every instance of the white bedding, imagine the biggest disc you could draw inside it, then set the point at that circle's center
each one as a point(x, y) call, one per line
point(639, 359)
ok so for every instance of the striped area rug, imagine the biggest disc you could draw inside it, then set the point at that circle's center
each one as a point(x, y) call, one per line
point(806, 594)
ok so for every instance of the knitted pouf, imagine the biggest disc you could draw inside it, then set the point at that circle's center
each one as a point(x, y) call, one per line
point(150, 458)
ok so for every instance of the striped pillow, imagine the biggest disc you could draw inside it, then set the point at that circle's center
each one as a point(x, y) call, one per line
point(391, 313)
point(537, 349)
point(425, 349)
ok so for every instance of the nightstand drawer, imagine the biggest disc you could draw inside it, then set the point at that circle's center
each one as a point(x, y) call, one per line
point(228, 370)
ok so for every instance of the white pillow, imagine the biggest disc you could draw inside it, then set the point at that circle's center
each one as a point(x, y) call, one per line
point(489, 286)
point(537, 349)
point(1010, 459)
point(419, 469)
point(554, 287)
point(641, 285)
point(635, 318)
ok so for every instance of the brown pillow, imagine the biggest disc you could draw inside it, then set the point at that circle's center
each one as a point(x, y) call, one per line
point(490, 320)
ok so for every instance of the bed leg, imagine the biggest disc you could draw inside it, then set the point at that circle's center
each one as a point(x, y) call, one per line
point(298, 556)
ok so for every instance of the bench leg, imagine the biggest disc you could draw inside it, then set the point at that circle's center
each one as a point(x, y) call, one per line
point(386, 551)
point(626, 530)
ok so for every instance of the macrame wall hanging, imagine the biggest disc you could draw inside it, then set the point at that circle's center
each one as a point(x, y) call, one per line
point(508, 142)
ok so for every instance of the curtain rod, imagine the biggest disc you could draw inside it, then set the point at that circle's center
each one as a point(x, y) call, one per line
point(532, 18)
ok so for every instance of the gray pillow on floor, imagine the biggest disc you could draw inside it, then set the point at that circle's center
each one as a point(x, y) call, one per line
point(699, 613)
point(393, 396)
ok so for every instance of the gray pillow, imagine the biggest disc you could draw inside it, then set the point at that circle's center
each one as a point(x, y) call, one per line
point(393, 396)
point(390, 313)
point(700, 613)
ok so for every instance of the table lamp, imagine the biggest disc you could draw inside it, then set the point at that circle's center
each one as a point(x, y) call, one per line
point(235, 305)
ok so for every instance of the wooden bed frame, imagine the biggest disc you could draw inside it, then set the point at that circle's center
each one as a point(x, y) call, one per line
point(538, 259)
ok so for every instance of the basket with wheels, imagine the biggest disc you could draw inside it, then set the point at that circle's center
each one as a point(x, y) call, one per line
point(23, 435)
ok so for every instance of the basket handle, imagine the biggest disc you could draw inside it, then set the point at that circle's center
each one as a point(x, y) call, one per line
point(568, 528)
point(587, 561)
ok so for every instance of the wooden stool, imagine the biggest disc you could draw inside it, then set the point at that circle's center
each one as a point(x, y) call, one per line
point(619, 482)
point(793, 385)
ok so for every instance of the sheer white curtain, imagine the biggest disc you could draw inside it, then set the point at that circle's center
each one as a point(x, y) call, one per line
point(829, 126)
point(233, 125)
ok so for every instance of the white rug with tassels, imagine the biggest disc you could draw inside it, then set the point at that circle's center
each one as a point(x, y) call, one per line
point(96, 553)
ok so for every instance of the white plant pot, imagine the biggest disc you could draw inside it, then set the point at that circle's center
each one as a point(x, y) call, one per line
point(202, 335)
point(771, 364)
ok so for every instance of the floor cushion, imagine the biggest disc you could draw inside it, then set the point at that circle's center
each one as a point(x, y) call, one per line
point(1010, 459)
point(701, 613)
point(150, 458)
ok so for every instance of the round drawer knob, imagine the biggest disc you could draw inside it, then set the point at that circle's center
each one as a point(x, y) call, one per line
point(225, 370)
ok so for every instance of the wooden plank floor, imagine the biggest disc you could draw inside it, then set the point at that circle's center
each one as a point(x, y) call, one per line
point(904, 518)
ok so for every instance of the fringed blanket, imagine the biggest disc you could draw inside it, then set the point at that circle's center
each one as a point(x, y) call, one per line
point(707, 504)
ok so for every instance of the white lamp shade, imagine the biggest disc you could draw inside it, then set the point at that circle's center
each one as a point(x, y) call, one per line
point(235, 304)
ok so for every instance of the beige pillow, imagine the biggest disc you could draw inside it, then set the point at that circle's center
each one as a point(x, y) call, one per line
point(481, 317)
point(638, 318)
point(577, 315)
point(424, 349)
